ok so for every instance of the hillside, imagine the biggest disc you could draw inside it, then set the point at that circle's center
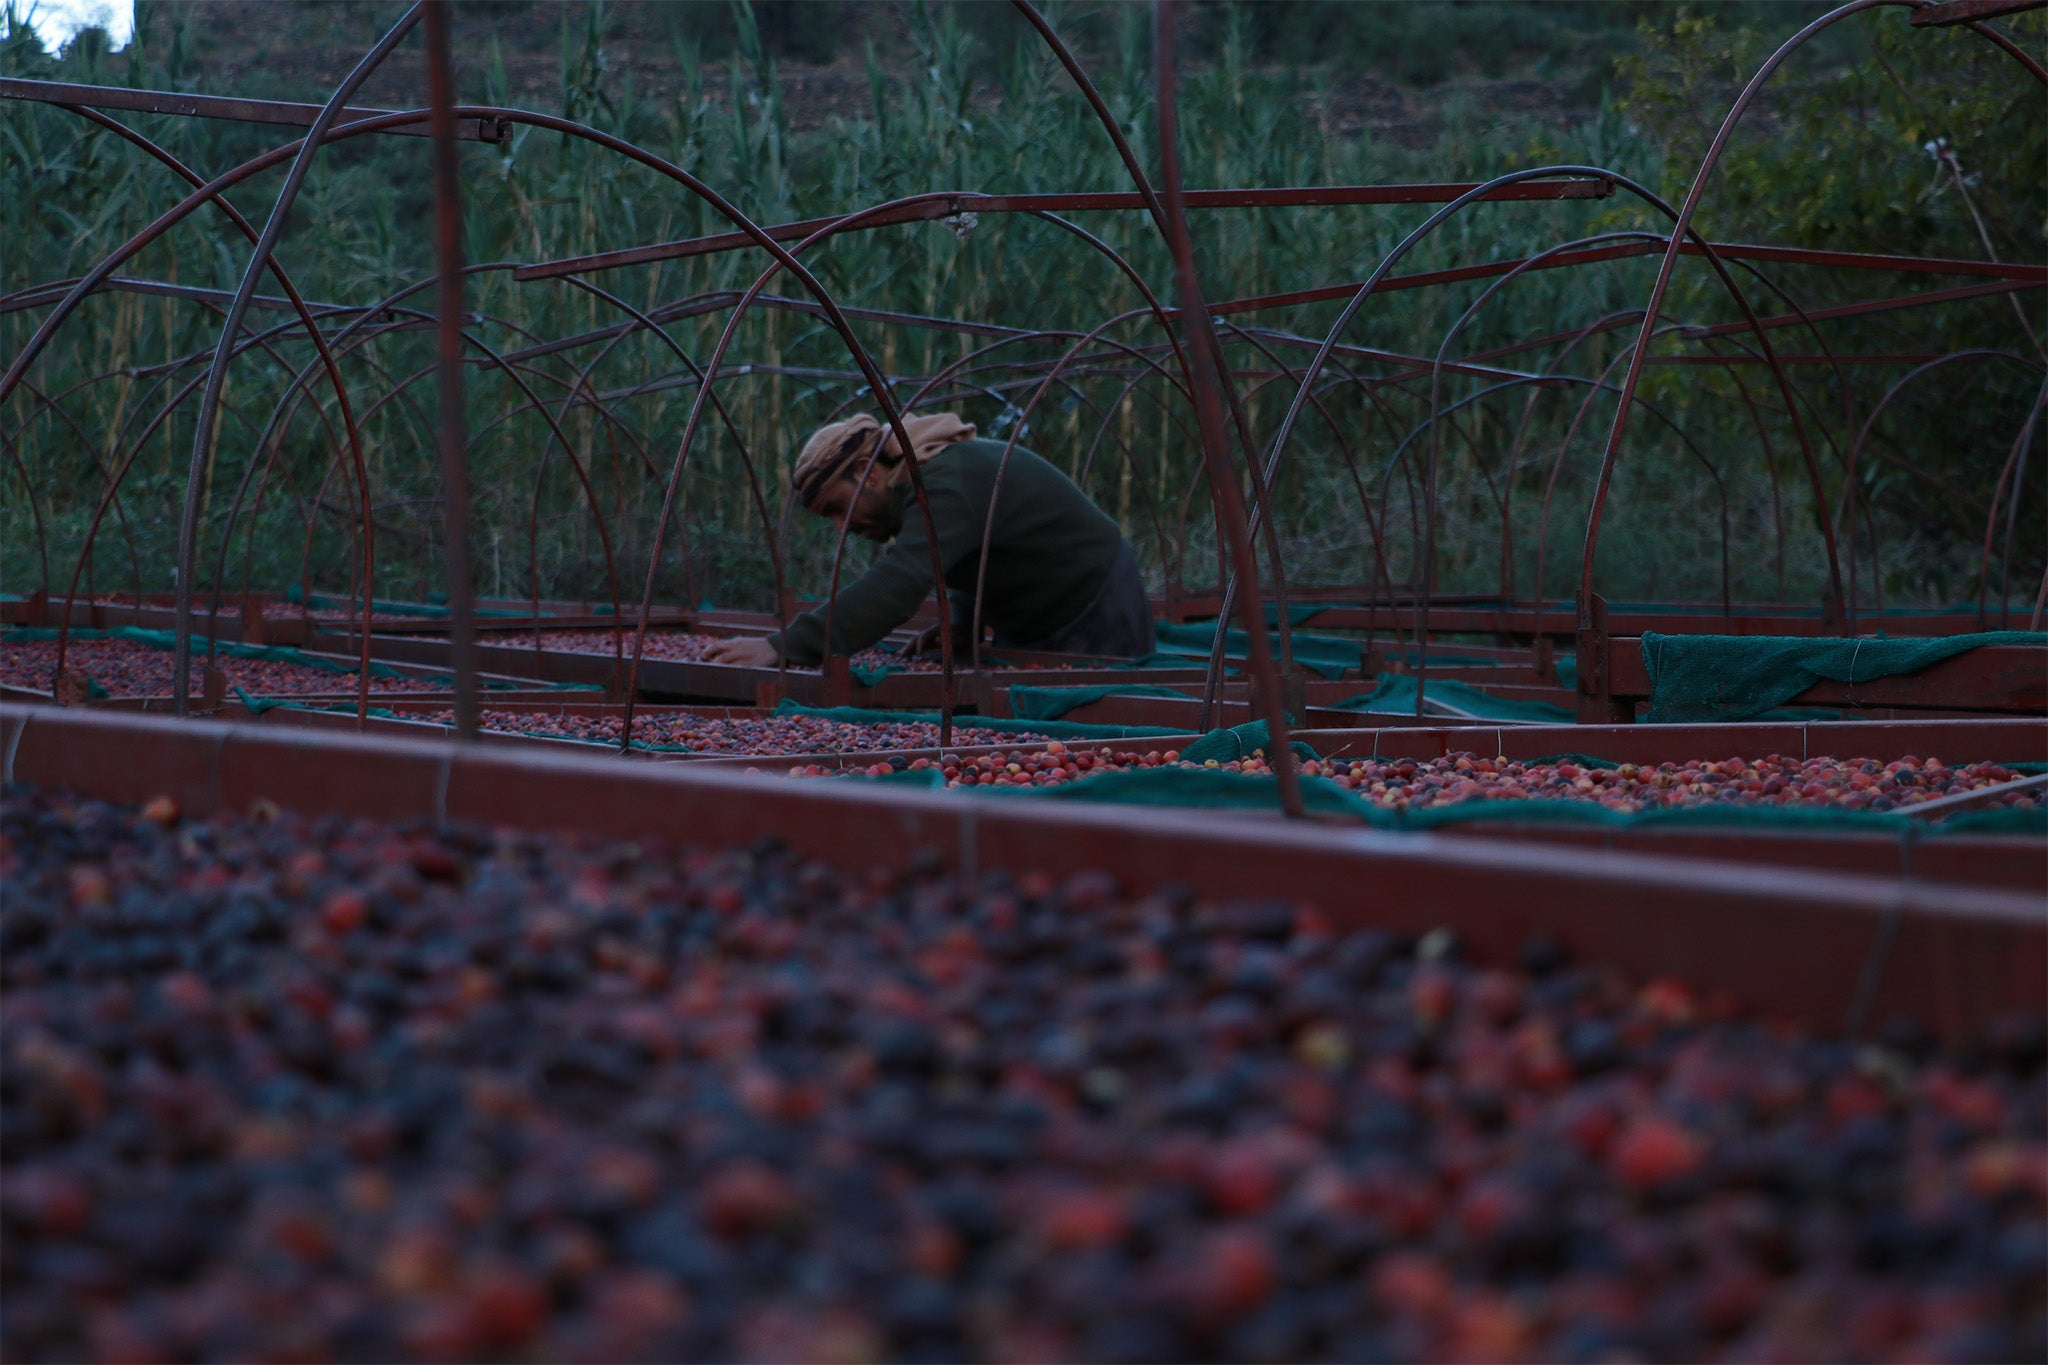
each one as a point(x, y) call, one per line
point(1398, 73)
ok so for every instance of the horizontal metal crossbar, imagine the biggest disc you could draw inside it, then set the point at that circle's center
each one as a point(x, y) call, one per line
point(285, 112)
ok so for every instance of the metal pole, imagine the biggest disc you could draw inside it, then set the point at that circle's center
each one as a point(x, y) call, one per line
point(1205, 367)
point(451, 430)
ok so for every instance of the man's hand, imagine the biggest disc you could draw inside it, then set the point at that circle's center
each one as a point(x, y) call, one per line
point(750, 653)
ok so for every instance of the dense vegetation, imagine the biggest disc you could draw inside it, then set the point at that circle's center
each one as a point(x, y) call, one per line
point(1882, 138)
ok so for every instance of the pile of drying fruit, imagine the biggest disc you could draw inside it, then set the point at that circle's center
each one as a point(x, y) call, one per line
point(1846, 783)
point(278, 1089)
point(1849, 784)
point(683, 646)
point(127, 668)
point(764, 735)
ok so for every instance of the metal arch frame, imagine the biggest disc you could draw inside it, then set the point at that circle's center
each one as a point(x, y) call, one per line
point(1168, 216)
point(1493, 288)
point(1683, 225)
point(205, 428)
point(1991, 517)
point(120, 475)
point(1594, 387)
point(1681, 231)
point(53, 404)
point(1073, 371)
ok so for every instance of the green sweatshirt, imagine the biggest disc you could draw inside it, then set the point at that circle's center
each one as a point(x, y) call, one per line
point(1050, 552)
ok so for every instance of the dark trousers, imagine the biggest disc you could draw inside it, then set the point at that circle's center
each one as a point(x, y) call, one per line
point(1117, 622)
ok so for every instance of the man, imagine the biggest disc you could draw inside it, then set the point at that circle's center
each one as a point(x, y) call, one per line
point(1060, 574)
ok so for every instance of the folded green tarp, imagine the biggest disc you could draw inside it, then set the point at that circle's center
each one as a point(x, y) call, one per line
point(1740, 677)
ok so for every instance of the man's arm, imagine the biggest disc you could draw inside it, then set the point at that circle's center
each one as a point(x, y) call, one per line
point(886, 595)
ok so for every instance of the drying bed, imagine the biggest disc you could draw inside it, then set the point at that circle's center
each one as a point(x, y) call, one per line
point(684, 646)
point(758, 736)
point(1950, 952)
point(1405, 783)
point(287, 1087)
point(1965, 840)
point(876, 678)
point(125, 668)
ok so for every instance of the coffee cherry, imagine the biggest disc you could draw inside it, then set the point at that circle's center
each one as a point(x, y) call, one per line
point(340, 1088)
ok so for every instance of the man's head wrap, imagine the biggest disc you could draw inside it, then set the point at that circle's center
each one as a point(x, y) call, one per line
point(842, 450)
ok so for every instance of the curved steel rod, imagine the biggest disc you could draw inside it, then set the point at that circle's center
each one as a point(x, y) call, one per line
point(121, 473)
point(641, 319)
point(271, 436)
point(1594, 387)
point(209, 403)
point(1201, 328)
point(2012, 508)
point(1213, 393)
point(1551, 366)
point(35, 513)
point(1557, 470)
point(1344, 450)
point(1429, 481)
point(1679, 231)
point(1682, 227)
point(877, 384)
point(570, 128)
point(291, 293)
point(1763, 437)
point(45, 401)
point(1899, 386)
point(101, 468)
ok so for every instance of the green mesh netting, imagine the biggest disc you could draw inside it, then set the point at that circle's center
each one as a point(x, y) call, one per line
point(1394, 694)
point(1050, 703)
point(1741, 677)
point(868, 676)
point(1326, 655)
point(1056, 729)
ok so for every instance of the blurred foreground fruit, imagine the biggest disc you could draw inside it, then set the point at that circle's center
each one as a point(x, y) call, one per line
point(288, 1089)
